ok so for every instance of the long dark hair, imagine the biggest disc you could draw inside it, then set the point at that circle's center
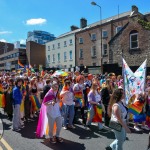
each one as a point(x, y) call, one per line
point(116, 96)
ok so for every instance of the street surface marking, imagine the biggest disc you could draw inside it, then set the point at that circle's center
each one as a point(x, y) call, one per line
point(6, 144)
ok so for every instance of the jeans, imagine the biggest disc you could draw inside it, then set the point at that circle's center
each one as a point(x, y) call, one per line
point(51, 122)
point(69, 111)
point(117, 144)
point(16, 117)
point(89, 120)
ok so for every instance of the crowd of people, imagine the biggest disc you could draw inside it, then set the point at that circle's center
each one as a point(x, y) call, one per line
point(24, 96)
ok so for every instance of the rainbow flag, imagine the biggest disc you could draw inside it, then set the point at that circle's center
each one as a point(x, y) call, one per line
point(79, 98)
point(2, 100)
point(1, 89)
point(20, 64)
point(136, 108)
point(35, 103)
point(98, 113)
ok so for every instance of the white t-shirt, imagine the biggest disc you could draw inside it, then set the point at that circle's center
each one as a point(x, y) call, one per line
point(97, 97)
point(54, 111)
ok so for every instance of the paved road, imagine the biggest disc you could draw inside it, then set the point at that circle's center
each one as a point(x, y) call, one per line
point(76, 139)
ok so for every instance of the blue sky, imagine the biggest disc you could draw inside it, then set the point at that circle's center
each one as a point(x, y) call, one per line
point(17, 17)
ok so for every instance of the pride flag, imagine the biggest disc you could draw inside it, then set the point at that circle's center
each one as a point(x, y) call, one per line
point(1, 89)
point(20, 64)
point(35, 103)
point(79, 99)
point(136, 108)
point(2, 100)
point(98, 113)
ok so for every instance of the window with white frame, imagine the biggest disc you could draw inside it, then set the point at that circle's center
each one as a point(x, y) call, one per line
point(70, 55)
point(93, 51)
point(104, 34)
point(53, 58)
point(58, 57)
point(93, 36)
point(134, 39)
point(65, 56)
point(118, 29)
point(48, 58)
point(65, 43)
point(53, 46)
point(70, 41)
point(104, 49)
point(48, 48)
point(58, 45)
point(80, 40)
point(81, 53)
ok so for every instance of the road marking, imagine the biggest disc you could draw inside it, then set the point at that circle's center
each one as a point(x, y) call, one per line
point(5, 144)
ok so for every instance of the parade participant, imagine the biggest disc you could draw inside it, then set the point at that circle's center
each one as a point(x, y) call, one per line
point(106, 94)
point(141, 116)
point(95, 106)
point(27, 102)
point(79, 98)
point(47, 87)
point(9, 99)
point(148, 107)
point(17, 98)
point(67, 97)
point(118, 116)
point(51, 100)
point(35, 105)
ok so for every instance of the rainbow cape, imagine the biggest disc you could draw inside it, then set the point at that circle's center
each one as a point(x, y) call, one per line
point(136, 108)
point(35, 103)
point(79, 99)
point(2, 100)
point(98, 113)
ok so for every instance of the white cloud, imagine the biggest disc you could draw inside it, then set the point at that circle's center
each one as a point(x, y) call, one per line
point(38, 21)
point(3, 40)
point(5, 32)
point(22, 41)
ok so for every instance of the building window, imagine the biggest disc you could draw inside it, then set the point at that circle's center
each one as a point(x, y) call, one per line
point(105, 34)
point(53, 58)
point(70, 66)
point(65, 43)
point(48, 58)
point(134, 39)
point(104, 49)
point(80, 40)
point(94, 64)
point(70, 41)
point(65, 56)
point(58, 57)
point(118, 29)
point(81, 53)
point(93, 36)
point(58, 45)
point(48, 48)
point(70, 55)
point(93, 51)
point(53, 46)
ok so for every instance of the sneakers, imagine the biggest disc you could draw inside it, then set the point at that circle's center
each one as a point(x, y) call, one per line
point(65, 128)
point(16, 129)
point(52, 140)
point(59, 139)
point(108, 148)
point(137, 128)
point(145, 127)
point(71, 127)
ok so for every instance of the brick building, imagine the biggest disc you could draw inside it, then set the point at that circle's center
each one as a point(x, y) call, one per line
point(9, 56)
point(133, 41)
point(92, 40)
point(35, 54)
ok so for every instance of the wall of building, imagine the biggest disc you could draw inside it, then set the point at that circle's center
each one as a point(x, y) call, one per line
point(50, 51)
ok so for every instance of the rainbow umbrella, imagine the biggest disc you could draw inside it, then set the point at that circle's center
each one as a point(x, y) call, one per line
point(60, 73)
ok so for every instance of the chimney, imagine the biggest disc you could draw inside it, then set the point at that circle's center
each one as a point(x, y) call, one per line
point(83, 23)
point(73, 28)
point(135, 9)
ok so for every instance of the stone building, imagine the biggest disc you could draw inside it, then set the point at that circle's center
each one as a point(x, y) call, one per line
point(132, 41)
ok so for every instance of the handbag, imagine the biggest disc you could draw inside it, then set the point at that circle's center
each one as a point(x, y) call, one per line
point(115, 125)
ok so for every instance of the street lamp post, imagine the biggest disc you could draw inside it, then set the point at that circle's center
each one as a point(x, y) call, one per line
point(100, 10)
